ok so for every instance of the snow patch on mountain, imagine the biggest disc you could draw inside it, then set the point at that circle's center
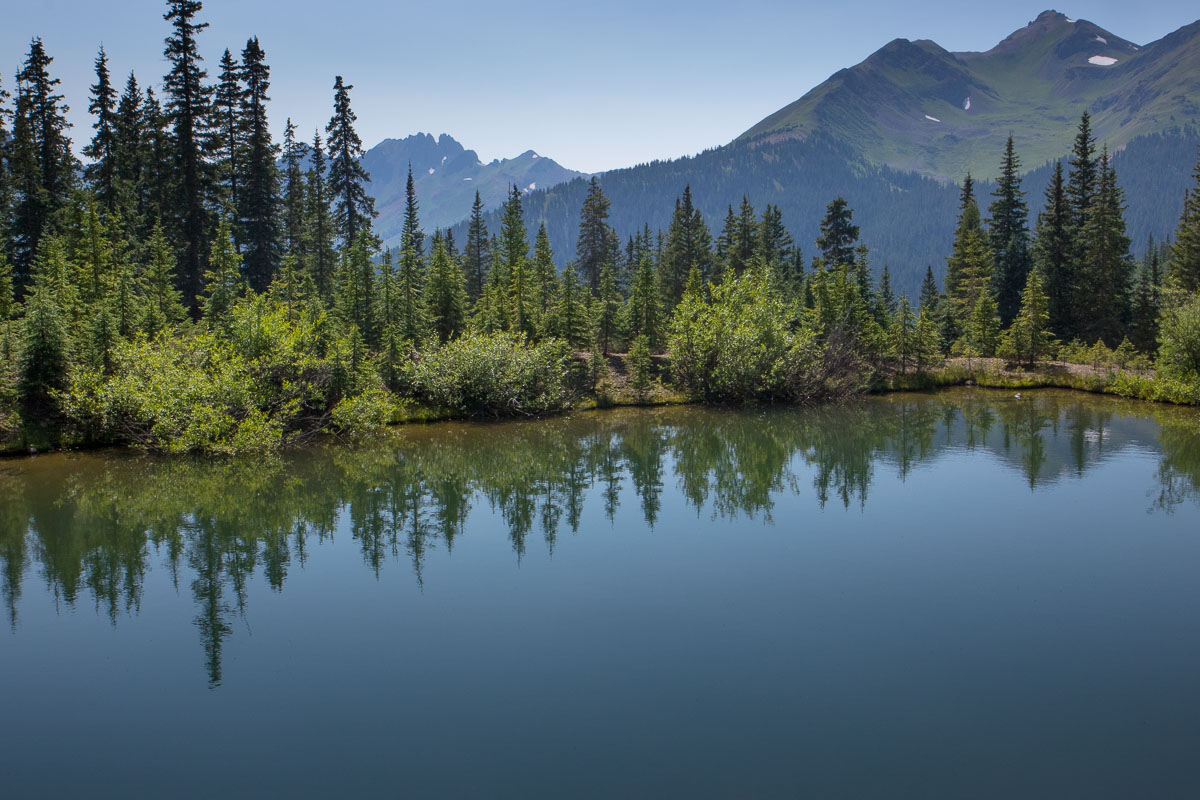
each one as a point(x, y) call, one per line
point(967, 104)
point(932, 119)
point(1102, 61)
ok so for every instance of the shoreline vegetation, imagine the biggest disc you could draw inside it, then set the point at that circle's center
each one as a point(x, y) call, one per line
point(193, 287)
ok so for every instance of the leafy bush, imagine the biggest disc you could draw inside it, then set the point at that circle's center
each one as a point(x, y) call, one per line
point(746, 342)
point(497, 374)
point(1179, 338)
point(365, 413)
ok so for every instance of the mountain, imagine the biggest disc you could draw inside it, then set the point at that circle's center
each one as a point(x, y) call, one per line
point(863, 134)
point(916, 106)
point(446, 177)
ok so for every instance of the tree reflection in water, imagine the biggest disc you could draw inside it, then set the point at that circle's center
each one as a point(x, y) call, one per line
point(93, 523)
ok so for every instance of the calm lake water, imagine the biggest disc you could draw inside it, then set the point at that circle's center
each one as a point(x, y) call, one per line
point(952, 595)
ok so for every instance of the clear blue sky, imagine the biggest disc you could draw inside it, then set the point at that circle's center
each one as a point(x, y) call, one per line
point(593, 85)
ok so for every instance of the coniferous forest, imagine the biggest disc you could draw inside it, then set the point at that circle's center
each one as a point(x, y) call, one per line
point(191, 284)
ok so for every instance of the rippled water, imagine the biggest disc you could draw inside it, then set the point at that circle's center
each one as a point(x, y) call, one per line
point(961, 595)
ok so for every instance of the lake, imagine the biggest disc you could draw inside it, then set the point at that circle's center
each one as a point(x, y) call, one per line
point(961, 594)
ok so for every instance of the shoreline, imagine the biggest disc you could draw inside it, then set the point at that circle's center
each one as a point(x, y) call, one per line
point(991, 374)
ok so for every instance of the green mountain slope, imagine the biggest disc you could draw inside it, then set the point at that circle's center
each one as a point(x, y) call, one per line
point(916, 106)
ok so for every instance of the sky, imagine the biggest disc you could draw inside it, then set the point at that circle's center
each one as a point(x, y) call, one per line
point(594, 85)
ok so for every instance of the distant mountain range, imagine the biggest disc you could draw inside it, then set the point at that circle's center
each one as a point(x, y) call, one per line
point(916, 106)
point(446, 177)
point(895, 133)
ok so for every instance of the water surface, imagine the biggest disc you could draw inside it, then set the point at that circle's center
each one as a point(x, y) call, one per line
point(960, 594)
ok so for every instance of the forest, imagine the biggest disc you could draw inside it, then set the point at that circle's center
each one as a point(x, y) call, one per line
point(193, 285)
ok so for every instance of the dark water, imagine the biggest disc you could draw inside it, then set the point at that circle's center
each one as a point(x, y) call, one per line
point(958, 595)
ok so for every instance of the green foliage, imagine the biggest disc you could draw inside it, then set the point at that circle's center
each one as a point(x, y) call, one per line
point(496, 374)
point(639, 364)
point(1179, 352)
point(744, 343)
point(363, 414)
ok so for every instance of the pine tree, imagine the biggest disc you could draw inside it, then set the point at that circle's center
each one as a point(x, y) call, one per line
point(476, 254)
point(744, 245)
point(258, 210)
point(164, 306)
point(969, 268)
point(885, 298)
point(39, 158)
point(775, 245)
point(1029, 336)
point(1183, 268)
point(354, 209)
point(689, 246)
point(129, 155)
point(319, 226)
point(593, 247)
point(1008, 231)
point(223, 282)
point(608, 310)
point(1081, 181)
point(571, 321)
point(445, 293)
point(983, 326)
point(1146, 306)
point(545, 278)
point(514, 252)
point(1053, 253)
point(644, 312)
point(229, 134)
point(838, 235)
point(1106, 269)
point(725, 243)
point(159, 182)
point(100, 174)
point(930, 295)
point(46, 352)
point(414, 321)
point(187, 107)
point(355, 294)
point(294, 154)
point(902, 334)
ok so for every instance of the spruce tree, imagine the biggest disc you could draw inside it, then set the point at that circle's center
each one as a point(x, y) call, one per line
point(571, 323)
point(744, 246)
point(930, 295)
point(1144, 311)
point(839, 235)
point(476, 254)
point(163, 306)
point(46, 351)
point(1081, 180)
point(775, 246)
point(1104, 281)
point(187, 106)
point(354, 209)
point(295, 152)
point(1053, 253)
point(1183, 268)
point(355, 293)
point(258, 203)
point(885, 298)
point(545, 278)
point(319, 225)
point(129, 155)
point(159, 181)
point(1008, 231)
point(514, 252)
point(445, 293)
point(593, 247)
point(229, 134)
point(1029, 336)
point(969, 267)
point(40, 164)
point(644, 312)
point(689, 246)
point(100, 174)
point(608, 310)
point(223, 282)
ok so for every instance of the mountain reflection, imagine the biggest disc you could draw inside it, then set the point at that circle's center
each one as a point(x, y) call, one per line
point(94, 524)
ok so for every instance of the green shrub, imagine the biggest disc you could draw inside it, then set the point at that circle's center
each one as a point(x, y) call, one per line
point(363, 414)
point(497, 374)
point(1179, 338)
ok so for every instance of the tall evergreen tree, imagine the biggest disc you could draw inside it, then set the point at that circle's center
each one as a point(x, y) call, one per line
point(100, 174)
point(930, 295)
point(1053, 253)
point(355, 294)
point(159, 181)
point(1008, 230)
point(187, 107)
point(1081, 179)
point(39, 158)
point(969, 267)
point(545, 279)
point(354, 209)
point(593, 247)
point(744, 245)
point(319, 227)
point(1107, 269)
point(129, 154)
point(688, 247)
point(476, 254)
point(258, 203)
point(445, 293)
point(163, 306)
point(514, 252)
point(228, 128)
point(839, 235)
point(414, 323)
point(775, 246)
point(1183, 268)
point(644, 312)
point(295, 152)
